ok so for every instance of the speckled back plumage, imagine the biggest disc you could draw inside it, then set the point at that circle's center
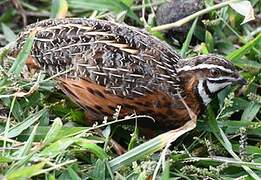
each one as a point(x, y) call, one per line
point(108, 65)
point(122, 58)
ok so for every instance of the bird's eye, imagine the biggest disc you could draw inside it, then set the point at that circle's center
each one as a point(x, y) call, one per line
point(214, 73)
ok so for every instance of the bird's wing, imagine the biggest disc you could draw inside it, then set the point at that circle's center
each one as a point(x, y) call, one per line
point(124, 60)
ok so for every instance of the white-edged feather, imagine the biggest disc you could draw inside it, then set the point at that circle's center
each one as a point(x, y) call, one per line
point(203, 66)
point(202, 92)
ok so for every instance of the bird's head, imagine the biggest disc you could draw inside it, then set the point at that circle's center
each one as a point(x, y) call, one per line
point(207, 75)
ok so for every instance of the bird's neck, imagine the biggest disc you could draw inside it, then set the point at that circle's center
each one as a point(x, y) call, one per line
point(194, 89)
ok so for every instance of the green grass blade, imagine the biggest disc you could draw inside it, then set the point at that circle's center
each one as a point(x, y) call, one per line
point(166, 172)
point(103, 5)
point(20, 127)
point(247, 64)
point(59, 8)
point(137, 153)
point(58, 146)
point(25, 149)
point(99, 170)
point(251, 111)
point(188, 39)
point(19, 63)
point(150, 146)
point(209, 41)
point(237, 54)
point(26, 172)
point(43, 130)
point(17, 165)
point(8, 33)
point(61, 145)
point(54, 131)
point(129, 3)
point(95, 149)
point(73, 174)
point(4, 159)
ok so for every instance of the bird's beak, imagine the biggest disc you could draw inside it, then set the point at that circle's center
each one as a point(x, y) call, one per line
point(241, 81)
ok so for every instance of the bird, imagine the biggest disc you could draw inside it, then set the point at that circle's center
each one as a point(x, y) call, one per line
point(101, 65)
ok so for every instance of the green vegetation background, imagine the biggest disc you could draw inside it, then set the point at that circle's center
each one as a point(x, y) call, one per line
point(42, 135)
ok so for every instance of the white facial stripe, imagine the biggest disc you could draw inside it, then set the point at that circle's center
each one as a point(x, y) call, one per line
point(214, 87)
point(202, 93)
point(223, 77)
point(204, 66)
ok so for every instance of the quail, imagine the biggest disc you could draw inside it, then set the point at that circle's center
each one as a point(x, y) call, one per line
point(101, 65)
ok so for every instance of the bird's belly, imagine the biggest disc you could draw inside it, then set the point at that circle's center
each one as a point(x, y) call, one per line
point(167, 112)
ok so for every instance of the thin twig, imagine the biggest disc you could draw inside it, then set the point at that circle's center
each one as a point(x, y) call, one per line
point(191, 17)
